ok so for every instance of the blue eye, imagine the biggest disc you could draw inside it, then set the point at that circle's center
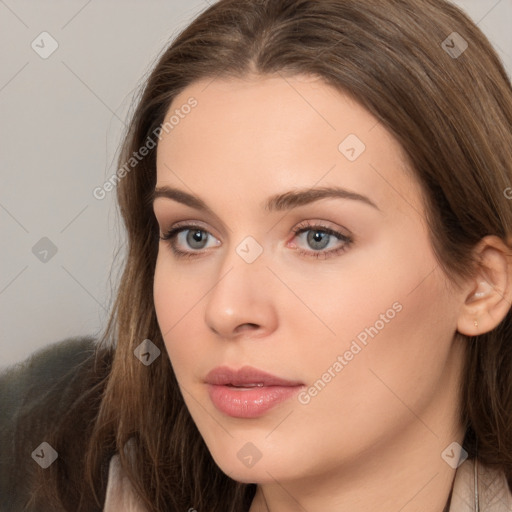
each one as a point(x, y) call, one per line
point(196, 239)
point(319, 238)
point(192, 237)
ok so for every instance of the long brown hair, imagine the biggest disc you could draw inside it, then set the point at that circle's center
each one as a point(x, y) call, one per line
point(451, 113)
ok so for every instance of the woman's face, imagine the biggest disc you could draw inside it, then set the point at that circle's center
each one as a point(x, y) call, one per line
point(304, 254)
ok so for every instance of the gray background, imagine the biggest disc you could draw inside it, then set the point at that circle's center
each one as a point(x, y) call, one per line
point(61, 122)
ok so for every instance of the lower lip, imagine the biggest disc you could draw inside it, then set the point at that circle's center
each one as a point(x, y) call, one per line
point(249, 403)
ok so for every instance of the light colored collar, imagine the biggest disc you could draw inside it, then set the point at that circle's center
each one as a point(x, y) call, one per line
point(493, 494)
point(479, 488)
point(121, 496)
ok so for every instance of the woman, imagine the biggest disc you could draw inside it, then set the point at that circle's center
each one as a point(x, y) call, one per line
point(315, 312)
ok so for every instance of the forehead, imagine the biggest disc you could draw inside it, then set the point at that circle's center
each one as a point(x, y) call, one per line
point(266, 134)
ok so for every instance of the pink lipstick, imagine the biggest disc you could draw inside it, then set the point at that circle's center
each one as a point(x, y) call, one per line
point(248, 392)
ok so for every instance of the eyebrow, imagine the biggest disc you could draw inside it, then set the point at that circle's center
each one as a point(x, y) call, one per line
point(278, 202)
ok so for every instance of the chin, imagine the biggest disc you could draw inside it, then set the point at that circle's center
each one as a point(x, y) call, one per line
point(238, 465)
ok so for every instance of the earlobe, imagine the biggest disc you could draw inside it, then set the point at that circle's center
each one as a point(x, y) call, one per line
point(490, 296)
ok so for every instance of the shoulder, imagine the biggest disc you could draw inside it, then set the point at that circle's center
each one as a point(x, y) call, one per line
point(48, 363)
point(35, 396)
point(26, 384)
point(44, 376)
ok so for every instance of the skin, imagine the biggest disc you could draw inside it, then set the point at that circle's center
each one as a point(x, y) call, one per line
point(372, 439)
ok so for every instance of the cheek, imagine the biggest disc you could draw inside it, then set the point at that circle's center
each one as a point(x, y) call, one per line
point(177, 298)
point(165, 295)
point(175, 291)
point(395, 324)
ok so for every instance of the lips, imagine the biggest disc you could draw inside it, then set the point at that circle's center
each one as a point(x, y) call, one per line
point(246, 376)
point(248, 392)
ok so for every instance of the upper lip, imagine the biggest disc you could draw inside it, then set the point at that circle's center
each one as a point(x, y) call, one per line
point(223, 375)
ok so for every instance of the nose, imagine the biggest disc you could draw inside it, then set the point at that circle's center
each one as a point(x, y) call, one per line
point(242, 302)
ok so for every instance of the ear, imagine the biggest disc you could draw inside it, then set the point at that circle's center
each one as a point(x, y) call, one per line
point(489, 296)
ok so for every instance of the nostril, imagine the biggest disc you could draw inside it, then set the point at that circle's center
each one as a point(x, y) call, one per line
point(247, 327)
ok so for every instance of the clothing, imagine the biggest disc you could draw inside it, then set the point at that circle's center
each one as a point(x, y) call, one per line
point(120, 494)
point(493, 492)
point(34, 395)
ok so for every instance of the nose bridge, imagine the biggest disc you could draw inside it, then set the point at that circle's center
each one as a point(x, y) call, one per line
point(243, 265)
point(242, 293)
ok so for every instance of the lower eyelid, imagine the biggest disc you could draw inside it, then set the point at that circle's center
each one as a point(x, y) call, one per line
point(324, 254)
point(345, 244)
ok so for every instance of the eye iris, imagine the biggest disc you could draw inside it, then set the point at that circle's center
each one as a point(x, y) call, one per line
point(197, 239)
point(318, 239)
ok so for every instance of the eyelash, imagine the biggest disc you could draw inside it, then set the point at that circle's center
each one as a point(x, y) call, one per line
point(170, 236)
point(307, 226)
